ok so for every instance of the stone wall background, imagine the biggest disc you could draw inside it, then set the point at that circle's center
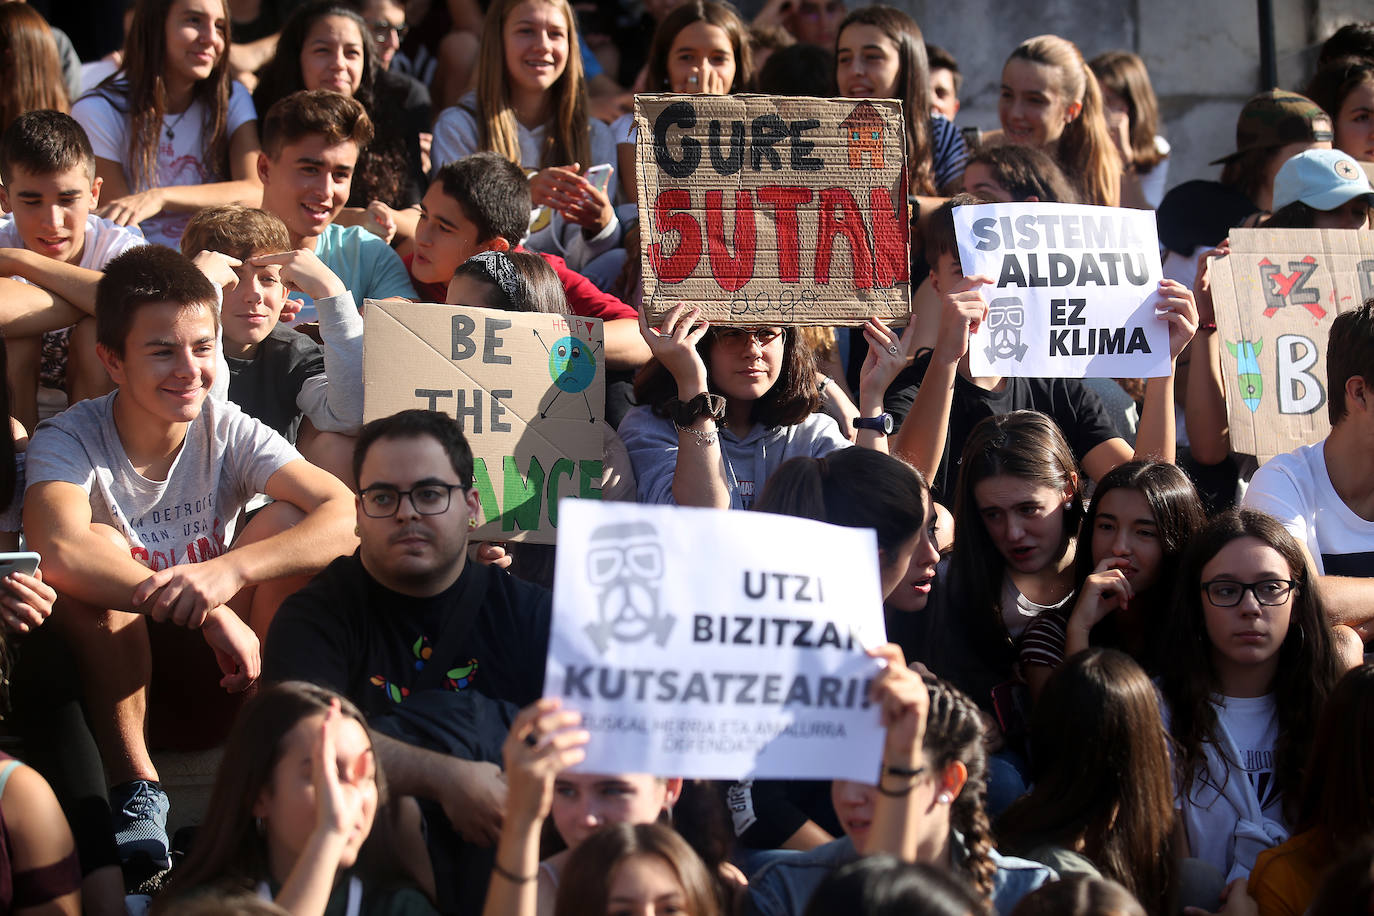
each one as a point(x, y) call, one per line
point(1203, 55)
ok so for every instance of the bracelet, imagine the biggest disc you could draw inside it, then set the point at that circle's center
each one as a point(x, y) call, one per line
point(704, 437)
point(511, 876)
point(1207, 327)
point(825, 383)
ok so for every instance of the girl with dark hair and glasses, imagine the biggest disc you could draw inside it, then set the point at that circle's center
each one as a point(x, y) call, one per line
point(721, 408)
point(1252, 663)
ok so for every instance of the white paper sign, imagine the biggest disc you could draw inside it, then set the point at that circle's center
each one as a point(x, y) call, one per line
point(717, 645)
point(1075, 290)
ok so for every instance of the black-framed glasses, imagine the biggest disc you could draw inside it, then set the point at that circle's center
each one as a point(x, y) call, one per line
point(381, 30)
point(1268, 592)
point(739, 338)
point(382, 501)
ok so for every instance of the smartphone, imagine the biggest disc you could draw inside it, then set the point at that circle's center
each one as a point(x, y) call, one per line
point(22, 561)
point(599, 176)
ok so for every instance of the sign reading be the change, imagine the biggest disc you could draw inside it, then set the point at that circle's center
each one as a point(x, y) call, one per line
point(717, 645)
point(1074, 290)
point(764, 210)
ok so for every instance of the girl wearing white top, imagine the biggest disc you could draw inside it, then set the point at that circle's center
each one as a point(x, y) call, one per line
point(1252, 664)
point(171, 133)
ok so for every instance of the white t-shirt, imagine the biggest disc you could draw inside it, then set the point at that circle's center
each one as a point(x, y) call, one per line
point(456, 136)
point(180, 157)
point(1210, 813)
point(226, 458)
point(1018, 611)
point(1296, 489)
point(105, 240)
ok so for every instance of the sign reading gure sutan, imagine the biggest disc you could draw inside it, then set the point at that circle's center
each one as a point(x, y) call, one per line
point(770, 210)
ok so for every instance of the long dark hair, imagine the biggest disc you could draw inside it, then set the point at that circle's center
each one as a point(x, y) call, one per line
point(882, 885)
point(1307, 669)
point(913, 81)
point(1124, 73)
point(1025, 444)
point(1178, 515)
point(1101, 775)
point(138, 89)
point(1338, 788)
point(586, 882)
point(723, 16)
point(229, 851)
point(791, 400)
point(381, 172)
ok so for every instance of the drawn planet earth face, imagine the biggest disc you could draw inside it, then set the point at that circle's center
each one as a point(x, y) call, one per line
point(571, 364)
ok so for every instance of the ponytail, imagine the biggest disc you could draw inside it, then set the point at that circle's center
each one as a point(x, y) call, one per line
point(1085, 148)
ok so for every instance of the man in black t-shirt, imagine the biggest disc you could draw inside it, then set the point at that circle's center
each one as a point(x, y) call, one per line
point(437, 651)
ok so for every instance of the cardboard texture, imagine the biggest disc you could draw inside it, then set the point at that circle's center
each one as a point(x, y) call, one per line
point(528, 388)
point(1275, 297)
point(766, 210)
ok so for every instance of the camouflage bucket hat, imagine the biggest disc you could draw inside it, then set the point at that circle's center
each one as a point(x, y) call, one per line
point(1277, 118)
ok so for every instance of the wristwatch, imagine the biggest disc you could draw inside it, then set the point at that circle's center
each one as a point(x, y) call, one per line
point(882, 423)
point(703, 405)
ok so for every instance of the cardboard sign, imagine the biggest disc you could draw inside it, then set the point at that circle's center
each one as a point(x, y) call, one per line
point(1275, 298)
point(712, 644)
point(528, 388)
point(763, 210)
point(1075, 290)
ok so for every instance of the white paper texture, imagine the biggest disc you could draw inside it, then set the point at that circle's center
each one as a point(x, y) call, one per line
point(717, 645)
point(1074, 290)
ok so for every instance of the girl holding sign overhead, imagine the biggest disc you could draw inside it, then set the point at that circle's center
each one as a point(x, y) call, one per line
point(721, 408)
point(1051, 99)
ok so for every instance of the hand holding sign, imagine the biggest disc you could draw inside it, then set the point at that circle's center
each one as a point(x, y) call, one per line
point(545, 739)
point(1180, 312)
point(674, 345)
point(887, 356)
point(900, 693)
point(963, 311)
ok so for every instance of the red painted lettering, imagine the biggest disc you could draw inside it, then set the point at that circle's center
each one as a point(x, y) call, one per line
point(731, 272)
point(784, 201)
point(890, 263)
point(678, 266)
point(839, 215)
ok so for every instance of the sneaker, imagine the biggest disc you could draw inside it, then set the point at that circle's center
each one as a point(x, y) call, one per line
point(139, 815)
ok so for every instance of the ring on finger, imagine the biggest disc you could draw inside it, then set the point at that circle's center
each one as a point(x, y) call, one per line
point(531, 739)
point(892, 349)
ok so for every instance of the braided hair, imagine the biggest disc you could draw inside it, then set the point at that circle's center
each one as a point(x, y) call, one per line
point(954, 731)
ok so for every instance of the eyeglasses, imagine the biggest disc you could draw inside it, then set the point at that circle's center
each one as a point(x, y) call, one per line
point(739, 338)
point(381, 30)
point(1268, 592)
point(381, 501)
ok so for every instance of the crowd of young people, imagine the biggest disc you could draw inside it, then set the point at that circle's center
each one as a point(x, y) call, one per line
point(1124, 671)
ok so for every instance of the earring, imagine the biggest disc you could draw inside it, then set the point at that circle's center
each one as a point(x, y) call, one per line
point(472, 523)
point(944, 798)
point(357, 531)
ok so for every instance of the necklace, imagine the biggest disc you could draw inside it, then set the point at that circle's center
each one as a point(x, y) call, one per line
point(171, 128)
